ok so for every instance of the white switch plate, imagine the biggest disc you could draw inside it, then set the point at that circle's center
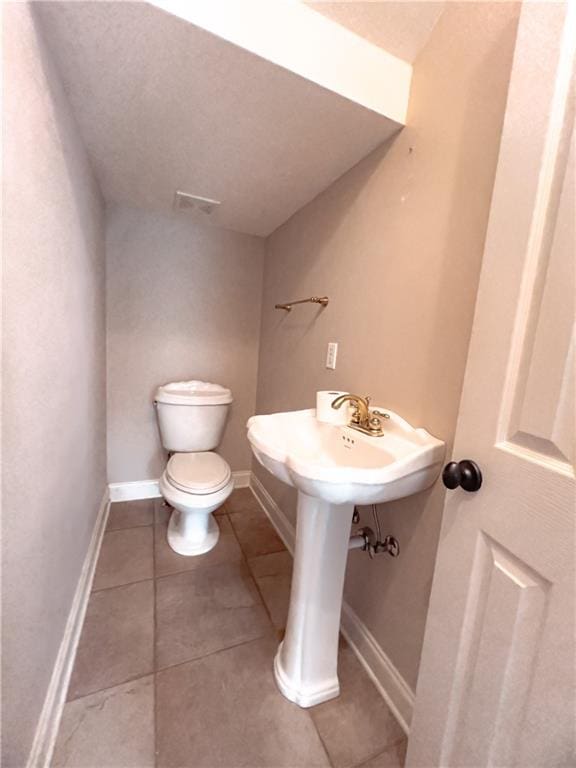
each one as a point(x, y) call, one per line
point(331, 354)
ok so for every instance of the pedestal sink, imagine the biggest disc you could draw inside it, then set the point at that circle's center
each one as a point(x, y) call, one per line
point(334, 468)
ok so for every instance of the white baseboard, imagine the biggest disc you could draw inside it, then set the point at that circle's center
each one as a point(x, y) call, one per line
point(47, 729)
point(134, 491)
point(149, 489)
point(242, 478)
point(389, 682)
point(283, 526)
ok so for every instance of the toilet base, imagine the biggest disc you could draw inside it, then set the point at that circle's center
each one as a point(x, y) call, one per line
point(183, 544)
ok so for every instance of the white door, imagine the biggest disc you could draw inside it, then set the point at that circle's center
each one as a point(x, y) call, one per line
point(496, 683)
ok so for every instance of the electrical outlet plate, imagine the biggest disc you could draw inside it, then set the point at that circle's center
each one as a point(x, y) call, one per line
point(331, 355)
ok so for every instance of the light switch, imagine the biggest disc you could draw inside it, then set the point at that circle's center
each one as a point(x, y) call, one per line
point(331, 354)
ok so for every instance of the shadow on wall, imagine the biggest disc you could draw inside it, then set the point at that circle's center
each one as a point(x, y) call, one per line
point(80, 198)
point(54, 373)
point(460, 270)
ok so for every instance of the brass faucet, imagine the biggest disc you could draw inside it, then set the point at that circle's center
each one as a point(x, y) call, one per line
point(362, 419)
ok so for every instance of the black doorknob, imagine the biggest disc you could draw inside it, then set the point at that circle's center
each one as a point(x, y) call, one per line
point(465, 473)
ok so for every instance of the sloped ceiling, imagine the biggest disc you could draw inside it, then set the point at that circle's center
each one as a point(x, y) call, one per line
point(164, 104)
point(400, 27)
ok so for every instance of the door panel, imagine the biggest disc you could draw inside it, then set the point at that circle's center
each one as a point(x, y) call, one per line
point(538, 405)
point(496, 682)
point(502, 625)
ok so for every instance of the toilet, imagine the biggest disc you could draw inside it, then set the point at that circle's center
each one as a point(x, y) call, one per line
point(196, 481)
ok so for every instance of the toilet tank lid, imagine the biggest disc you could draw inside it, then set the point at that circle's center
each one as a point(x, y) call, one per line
point(193, 393)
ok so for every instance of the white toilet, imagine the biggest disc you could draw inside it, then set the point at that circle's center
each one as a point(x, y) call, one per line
point(191, 417)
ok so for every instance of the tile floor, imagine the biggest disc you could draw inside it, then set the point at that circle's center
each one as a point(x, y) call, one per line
point(174, 665)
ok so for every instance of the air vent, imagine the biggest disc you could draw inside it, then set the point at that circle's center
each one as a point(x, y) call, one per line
point(184, 201)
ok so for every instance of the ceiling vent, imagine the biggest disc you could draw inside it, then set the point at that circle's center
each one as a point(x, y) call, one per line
point(183, 201)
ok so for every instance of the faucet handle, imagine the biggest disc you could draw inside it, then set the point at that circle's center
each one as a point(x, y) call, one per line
point(375, 421)
point(375, 425)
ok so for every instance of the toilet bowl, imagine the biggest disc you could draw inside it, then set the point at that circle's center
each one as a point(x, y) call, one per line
point(195, 485)
point(196, 481)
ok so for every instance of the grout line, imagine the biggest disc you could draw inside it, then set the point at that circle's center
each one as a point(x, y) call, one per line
point(243, 560)
point(156, 670)
point(308, 711)
point(160, 670)
point(126, 583)
point(197, 567)
point(154, 578)
point(119, 586)
point(246, 561)
point(139, 676)
point(223, 563)
point(155, 719)
point(123, 527)
point(128, 528)
point(261, 596)
point(244, 557)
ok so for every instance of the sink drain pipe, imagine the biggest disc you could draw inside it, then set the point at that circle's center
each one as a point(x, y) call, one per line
point(371, 542)
point(358, 541)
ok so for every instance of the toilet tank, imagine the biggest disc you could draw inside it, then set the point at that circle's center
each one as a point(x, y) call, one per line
point(191, 415)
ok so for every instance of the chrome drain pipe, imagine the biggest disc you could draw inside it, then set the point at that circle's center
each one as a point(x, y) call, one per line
point(357, 542)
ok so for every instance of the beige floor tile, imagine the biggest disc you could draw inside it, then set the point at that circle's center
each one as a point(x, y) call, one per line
point(126, 556)
point(116, 644)
point(358, 724)
point(129, 514)
point(219, 706)
point(273, 564)
point(167, 561)
point(225, 711)
point(112, 728)
point(162, 512)
point(255, 533)
point(273, 575)
point(205, 610)
point(242, 500)
point(392, 757)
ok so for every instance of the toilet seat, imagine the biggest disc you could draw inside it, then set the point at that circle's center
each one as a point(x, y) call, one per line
point(184, 486)
point(194, 496)
point(198, 473)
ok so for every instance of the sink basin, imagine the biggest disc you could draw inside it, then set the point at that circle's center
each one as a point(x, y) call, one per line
point(341, 465)
point(334, 468)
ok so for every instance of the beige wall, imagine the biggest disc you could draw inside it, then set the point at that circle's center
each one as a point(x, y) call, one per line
point(53, 373)
point(396, 244)
point(183, 302)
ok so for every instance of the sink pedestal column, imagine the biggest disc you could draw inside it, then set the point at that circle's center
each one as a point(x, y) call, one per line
point(305, 666)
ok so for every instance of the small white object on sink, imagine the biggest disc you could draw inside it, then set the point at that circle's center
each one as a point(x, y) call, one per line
point(324, 410)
